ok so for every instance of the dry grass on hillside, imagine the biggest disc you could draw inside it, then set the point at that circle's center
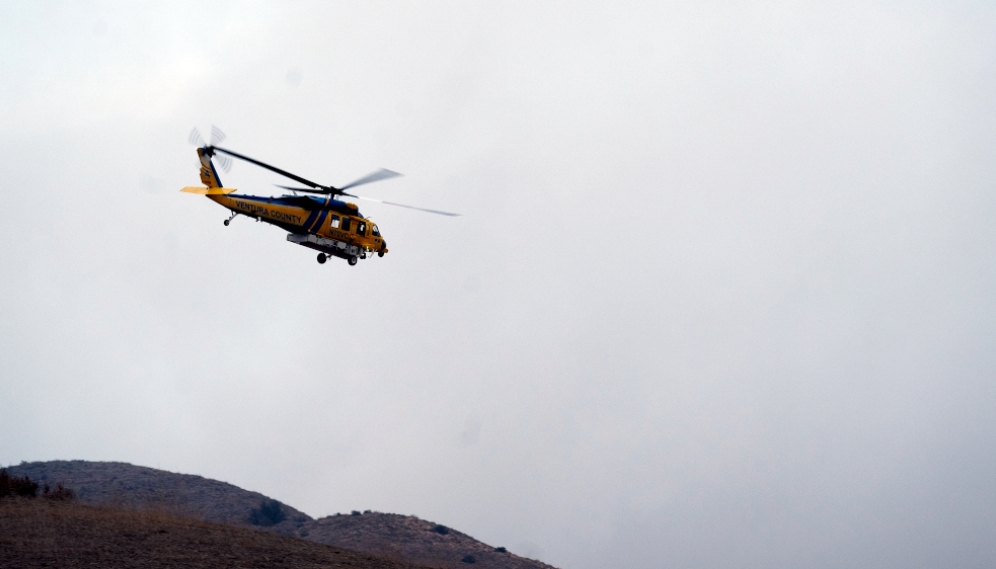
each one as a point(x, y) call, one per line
point(413, 540)
point(186, 495)
point(42, 533)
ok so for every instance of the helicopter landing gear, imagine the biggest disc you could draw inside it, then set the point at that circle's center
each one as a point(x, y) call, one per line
point(321, 258)
point(380, 253)
point(229, 220)
point(353, 260)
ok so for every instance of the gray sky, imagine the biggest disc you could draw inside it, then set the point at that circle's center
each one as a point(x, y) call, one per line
point(722, 294)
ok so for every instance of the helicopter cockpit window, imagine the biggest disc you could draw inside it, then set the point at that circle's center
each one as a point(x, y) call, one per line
point(334, 222)
point(375, 231)
point(345, 224)
point(361, 229)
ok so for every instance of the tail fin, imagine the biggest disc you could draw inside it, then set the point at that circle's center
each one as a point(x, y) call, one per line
point(209, 176)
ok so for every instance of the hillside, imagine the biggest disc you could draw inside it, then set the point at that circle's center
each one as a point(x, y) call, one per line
point(119, 483)
point(395, 536)
point(411, 539)
point(36, 532)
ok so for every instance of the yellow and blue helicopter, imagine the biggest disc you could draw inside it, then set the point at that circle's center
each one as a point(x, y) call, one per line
point(334, 228)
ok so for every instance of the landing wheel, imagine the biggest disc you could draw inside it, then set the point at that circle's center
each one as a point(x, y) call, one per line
point(227, 221)
point(380, 253)
point(321, 258)
point(353, 260)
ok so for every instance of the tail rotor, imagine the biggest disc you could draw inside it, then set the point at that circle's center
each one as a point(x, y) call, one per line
point(195, 138)
point(217, 137)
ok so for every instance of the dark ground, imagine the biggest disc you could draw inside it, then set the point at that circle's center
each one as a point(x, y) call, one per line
point(37, 532)
point(391, 536)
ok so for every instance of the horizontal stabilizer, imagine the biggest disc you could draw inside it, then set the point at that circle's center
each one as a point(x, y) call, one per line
point(207, 191)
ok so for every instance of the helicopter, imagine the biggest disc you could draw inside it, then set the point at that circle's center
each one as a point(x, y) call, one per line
point(321, 222)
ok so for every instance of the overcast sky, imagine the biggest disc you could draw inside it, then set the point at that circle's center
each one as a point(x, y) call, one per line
point(723, 293)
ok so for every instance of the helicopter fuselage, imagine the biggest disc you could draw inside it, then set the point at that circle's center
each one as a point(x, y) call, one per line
point(333, 222)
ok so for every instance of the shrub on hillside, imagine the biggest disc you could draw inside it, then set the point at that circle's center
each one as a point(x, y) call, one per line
point(16, 485)
point(441, 529)
point(501, 550)
point(60, 492)
point(468, 559)
point(268, 513)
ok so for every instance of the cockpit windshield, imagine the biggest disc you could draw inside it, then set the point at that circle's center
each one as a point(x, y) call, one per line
point(375, 230)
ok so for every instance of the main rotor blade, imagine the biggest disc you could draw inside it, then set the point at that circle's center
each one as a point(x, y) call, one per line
point(381, 174)
point(309, 190)
point(306, 182)
point(403, 205)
